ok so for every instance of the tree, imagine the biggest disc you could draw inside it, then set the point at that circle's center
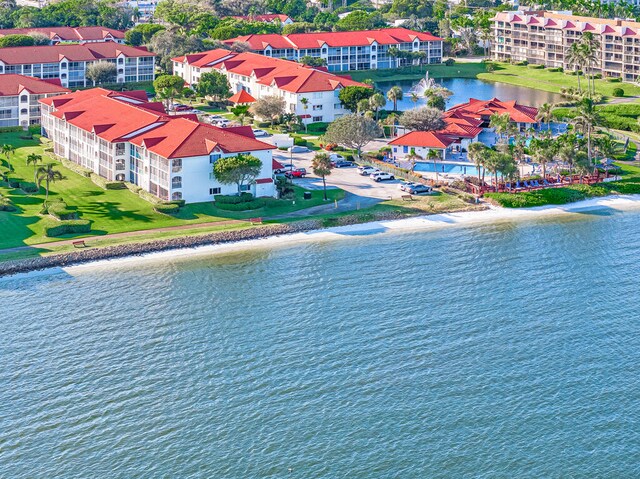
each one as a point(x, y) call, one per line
point(350, 96)
point(142, 34)
point(8, 151)
point(313, 61)
point(437, 102)
point(168, 86)
point(16, 40)
point(305, 105)
point(39, 39)
point(240, 112)
point(586, 120)
point(500, 123)
point(102, 72)
point(183, 14)
point(352, 131)
point(575, 57)
point(434, 155)
point(168, 44)
point(394, 94)
point(545, 113)
point(361, 20)
point(321, 166)
point(415, 98)
point(34, 159)
point(49, 175)
point(543, 151)
point(477, 153)
point(376, 102)
point(213, 84)
point(269, 107)
point(423, 119)
point(239, 170)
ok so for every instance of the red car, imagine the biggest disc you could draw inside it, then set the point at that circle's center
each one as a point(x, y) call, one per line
point(296, 173)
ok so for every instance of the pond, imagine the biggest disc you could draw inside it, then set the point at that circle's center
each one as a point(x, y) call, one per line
point(465, 88)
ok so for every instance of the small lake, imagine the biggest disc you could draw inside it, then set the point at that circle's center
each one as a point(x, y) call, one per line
point(465, 88)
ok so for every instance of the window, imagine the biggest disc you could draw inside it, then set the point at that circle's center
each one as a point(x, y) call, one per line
point(316, 119)
point(317, 107)
point(405, 149)
point(214, 157)
point(176, 195)
point(176, 165)
point(215, 191)
point(24, 98)
point(245, 187)
point(176, 182)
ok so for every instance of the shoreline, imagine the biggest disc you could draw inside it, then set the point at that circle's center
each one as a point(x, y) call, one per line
point(305, 230)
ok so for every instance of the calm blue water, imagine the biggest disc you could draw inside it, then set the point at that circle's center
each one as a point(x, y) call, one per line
point(465, 88)
point(446, 168)
point(509, 350)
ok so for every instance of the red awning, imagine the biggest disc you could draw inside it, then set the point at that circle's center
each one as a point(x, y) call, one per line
point(304, 116)
point(242, 97)
point(264, 180)
point(276, 165)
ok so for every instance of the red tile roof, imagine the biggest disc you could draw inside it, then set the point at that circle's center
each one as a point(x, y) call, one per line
point(70, 34)
point(387, 36)
point(242, 97)
point(424, 139)
point(12, 85)
point(72, 52)
point(204, 59)
point(116, 117)
point(483, 109)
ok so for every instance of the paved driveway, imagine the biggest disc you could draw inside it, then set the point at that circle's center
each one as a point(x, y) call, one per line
point(348, 179)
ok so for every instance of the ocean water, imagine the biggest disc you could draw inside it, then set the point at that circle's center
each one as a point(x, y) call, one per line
point(504, 350)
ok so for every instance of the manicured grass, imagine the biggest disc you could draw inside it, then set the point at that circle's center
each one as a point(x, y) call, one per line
point(623, 116)
point(550, 81)
point(110, 211)
point(458, 70)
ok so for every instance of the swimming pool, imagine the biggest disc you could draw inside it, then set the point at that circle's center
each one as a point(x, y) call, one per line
point(451, 168)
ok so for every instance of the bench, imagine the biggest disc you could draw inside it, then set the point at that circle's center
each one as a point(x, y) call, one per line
point(255, 221)
point(79, 243)
point(407, 198)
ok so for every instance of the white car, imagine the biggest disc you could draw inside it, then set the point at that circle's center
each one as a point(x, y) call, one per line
point(381, 176)
point(223, 123)
point(367, 170)
point(298, 149)
point(336, 157)
point(257, 133)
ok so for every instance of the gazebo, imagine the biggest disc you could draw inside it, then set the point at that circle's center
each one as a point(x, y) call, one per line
point(242, 98)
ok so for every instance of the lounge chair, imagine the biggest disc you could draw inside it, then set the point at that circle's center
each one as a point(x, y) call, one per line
point(527, 184)
point(535, 183)
point(545, 182)
point(518, 185)
point(508, 186)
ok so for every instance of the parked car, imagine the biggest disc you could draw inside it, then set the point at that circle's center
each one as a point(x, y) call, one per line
point(182, 108)
point(285, 167)
point(381, 176)
point(336, 157)
point(406, 186)
point(223, 123)
point(297, 149)
point(418, 188)
point(296, 173)
point(342, 164)
point(257, 133)
point(367, 170)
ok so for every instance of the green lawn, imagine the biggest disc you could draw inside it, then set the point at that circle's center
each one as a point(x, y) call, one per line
point(458, 70)
point(550, 81)
point(110, 211)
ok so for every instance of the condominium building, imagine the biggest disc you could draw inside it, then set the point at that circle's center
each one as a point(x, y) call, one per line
point(544, 37)
point(68, 63)
point(277, 18)
point(265, 76)
point(123, 137)
point(19, 98)
point(70, 34)
point(344, 51)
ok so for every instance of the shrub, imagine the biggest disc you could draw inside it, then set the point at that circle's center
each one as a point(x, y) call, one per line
point(244, 206)
point(67, 227)
point(318, 127)
point(523, 63)
point(536, 67)
point(598, 76)
point(13, 183)
point(618, 92)
point(555, 69)
point(180, 203)
point(233, 199)
point(299, 141)
point(6, 205)
point(106, 184)
point(263, 124)
point(60, 211)
point(81, 170)
point(449, 62)
point(28, 187)
point(10, 129)
point(131, 187)
point(614, 80)
point(167, 208)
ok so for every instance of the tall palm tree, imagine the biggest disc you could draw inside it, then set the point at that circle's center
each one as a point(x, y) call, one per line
point(415, 98)
point(7, 151)
point(49, 175)
point(321, 166)
point(394, 94)
point(545, 113)
point(500, 123)
point(305, 105)
point(543, 152)
point(567, 154)
point(590, 46)
point(586, 120)
point(575, 57)
point(35, 160)
point(477, 153)
point(377, 101)
point(434, 155)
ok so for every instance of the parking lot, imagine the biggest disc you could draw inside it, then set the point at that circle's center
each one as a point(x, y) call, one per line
point(347, 179)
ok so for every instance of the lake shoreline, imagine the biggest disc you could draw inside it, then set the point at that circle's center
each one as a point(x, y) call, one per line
point(306, 230)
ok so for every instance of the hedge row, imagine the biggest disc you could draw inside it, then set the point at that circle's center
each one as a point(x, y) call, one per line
point(61, 211)
point(106, 184)
point(29, 187)
point(167, 208)
point(233, 199)
point(6, 205)
point(67, 227)
point(244, 206)
point(81, 170)
point(536, 67)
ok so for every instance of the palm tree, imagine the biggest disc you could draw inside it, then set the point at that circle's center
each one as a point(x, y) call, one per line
point(377, 101)
point(605, 146)
point(567, 154)
point(586, 120)
point(477, 153)
point(49, 175)
point(321, 166)
point(545, 113)
point(415, 98)
point(544, 152)
point(7, 151)
point(305, 105)
point(590, 46)
point(394, 94)
point(500, 123)
point(36, 160)
point(575, 57)
point(434, 155)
